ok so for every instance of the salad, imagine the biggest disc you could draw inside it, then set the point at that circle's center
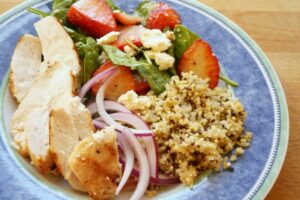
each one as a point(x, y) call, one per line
point(122, 101)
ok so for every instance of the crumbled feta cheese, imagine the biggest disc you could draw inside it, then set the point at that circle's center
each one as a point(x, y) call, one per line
point(129, 97)
point(155, 40)
point(162, 59)
point(130, 51)
point(170, 35)
point(108, 38)
point(117, 11)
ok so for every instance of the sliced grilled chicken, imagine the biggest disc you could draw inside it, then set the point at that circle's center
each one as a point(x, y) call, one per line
point(30, 122)
point(57, 45)
point(24, 65)
point(68, 125)
point(95, 162)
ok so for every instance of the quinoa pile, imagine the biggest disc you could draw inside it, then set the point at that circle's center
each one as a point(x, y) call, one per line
point(194, 126)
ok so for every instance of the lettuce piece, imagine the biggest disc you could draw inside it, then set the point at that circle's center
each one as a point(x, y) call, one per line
point(143, 10)
point(184, 39)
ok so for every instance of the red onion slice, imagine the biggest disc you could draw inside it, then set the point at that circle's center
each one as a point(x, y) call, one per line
point(87, 86)
point(143, 163)
point(92, 107)
point(140, 154)
point(99, 124)
point(160, 180)
point(127, 165)
point(114, 106)
point(150, 143)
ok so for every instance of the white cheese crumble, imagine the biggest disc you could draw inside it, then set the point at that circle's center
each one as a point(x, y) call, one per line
point(108, 38)
point(156, 40)
point(162, 59)
point(130, 51)
point(170, 35)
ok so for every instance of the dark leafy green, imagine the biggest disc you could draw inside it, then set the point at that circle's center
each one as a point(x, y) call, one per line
point(38, 12)
point(143, 10)
point(112, 5)
point(89, 56)
point(60, 9)
point(184, 39)
point(88, 51)
point(118, 57)
point(156, 79)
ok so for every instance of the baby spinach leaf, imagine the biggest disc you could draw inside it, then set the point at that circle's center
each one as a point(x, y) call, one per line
point(118, 57)
point(89, 53)
point(112, 5)
point(184, 39)
point(143, 9)
point(156, 79)
point(60, 9)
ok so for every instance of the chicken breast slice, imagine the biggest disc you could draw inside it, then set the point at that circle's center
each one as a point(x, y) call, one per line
point(68, 125)
point(30, 122)
point(95, 162)
point(57, 45)
point(24, 65)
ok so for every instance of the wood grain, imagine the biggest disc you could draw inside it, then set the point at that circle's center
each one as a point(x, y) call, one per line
point(275, 26)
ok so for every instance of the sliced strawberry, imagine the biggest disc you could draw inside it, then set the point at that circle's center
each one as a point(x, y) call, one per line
point(129, 33)
point(93, 16)
point(137, 43)
point(123, 81)
point(199, 58)
point(126, 19)
point(162, 16)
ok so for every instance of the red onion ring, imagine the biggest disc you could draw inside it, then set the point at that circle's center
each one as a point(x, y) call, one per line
point(150, 143)
point(127, 165)
point(87, 86)
point(140, 154)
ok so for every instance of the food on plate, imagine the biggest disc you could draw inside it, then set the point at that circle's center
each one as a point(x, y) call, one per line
point(176, 116)
point(122, 100)
point(95, 162)
point(25, 64)
point(93, 16)
point(68, 125)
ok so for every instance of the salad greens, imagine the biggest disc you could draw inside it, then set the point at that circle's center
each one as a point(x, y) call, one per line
point(184, 39)
point(143, 9)
point(118, 57)
point(112, 5)
point(156, 79)
point(60, 9)
point(89, 55)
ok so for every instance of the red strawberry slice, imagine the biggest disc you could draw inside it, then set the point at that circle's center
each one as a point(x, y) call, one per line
point(162, 16)
point(131, 33)
point(93, 16)
point(199, 58)
point(126, 19)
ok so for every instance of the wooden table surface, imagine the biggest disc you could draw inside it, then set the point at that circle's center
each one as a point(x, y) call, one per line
point(275, 26)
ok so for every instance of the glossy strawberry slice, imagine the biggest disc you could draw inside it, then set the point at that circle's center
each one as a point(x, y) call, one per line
point(199, 58)
point(162, 16)
point(93, 16)
point(126, 19)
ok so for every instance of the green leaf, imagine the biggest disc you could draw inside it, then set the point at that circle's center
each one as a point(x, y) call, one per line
point(89, 53)
point(184, 39)
point(112, 5)
point(60, 9)
point(77, 37)
point(156, 79)
point(143, 10)
point(118, 57)
point(37, 12)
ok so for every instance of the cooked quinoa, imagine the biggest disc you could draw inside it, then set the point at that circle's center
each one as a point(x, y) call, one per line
point(194, 126)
